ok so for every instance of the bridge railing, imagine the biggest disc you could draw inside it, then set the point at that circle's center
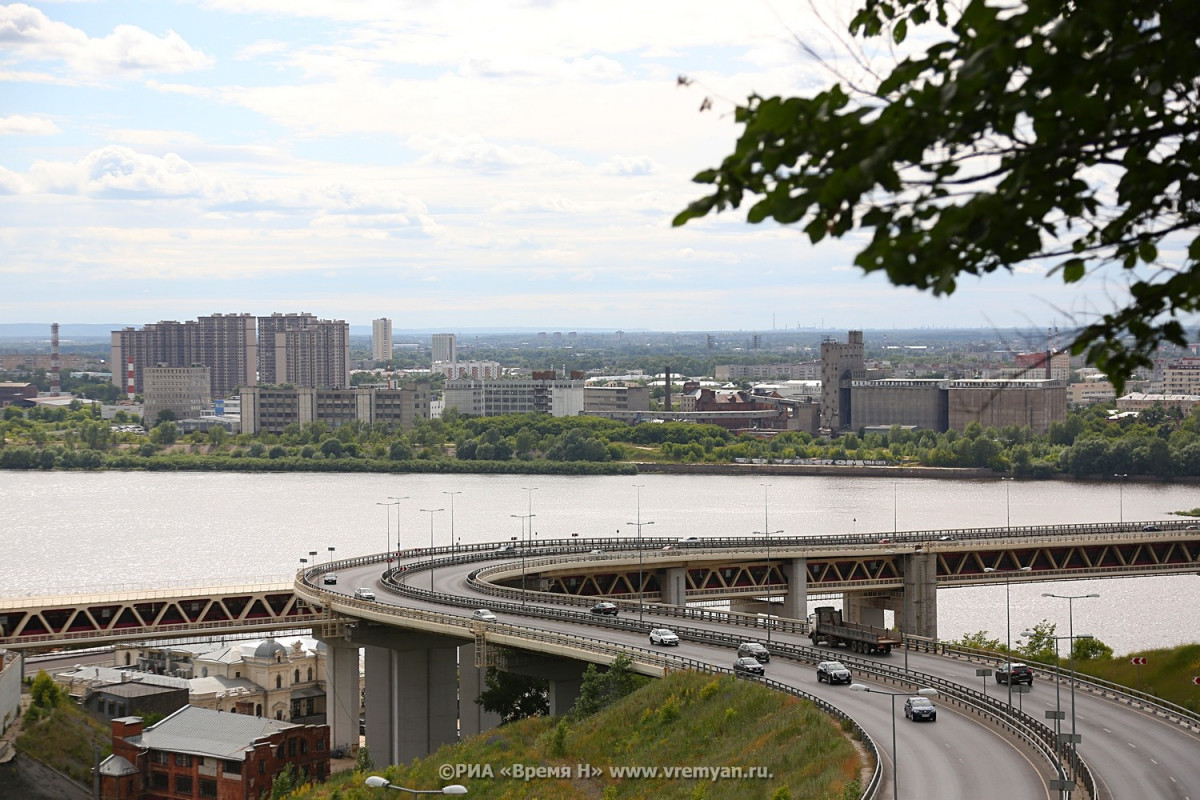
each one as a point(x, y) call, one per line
point(1033, 732)
point(1113, 691)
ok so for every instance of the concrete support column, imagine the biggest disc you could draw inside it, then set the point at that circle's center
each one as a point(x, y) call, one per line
point(795, 600)
point(342, 691)
point(411, 700)
point(918, 612)
point(472, 719)
point(563, 694)
point(855, 608)
point(673, 581)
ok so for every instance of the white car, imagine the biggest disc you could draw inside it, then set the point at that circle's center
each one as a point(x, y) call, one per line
point(663, 636)
point(363, 593)
point(483, 614)
point(329, 578)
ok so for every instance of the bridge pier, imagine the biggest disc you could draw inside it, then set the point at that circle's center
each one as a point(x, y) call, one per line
point(472, 719)
point(795, 600)
point(411, 693)
point(673, 586)
point(342, 690)
point(564, 674)
point(918, 612)
point(862, 610)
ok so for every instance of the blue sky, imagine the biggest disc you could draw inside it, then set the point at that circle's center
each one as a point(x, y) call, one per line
point(446, 164)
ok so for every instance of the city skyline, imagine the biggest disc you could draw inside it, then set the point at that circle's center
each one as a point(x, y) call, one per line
point(447, 166)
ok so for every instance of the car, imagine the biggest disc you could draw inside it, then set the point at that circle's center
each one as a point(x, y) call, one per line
point(1151, 528)
point(920, 708)
point(670, 547)
point(1192, 528)
point(885, 541)
point(832, 672)
point(363, 593)
point(946, 538)
point(1021, 673)
point(595, 552)
point(329, 578)
point(663, 636)
point(506, 548)
point(483, 614)
point(751, 666)
point(689, 540)
point(754, 650)
point(607, 609)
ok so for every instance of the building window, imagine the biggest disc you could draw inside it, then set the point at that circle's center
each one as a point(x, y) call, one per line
point(183, 760)
point(291, 747)
point(278, 681)
point(296, 676)
point(159, 781)
point(208, 787)
point(158, 757)
point(183, 784)
point(233, 768)
point(310, 673)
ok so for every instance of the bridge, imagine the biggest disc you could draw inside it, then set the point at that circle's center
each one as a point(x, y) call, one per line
point(425, 657)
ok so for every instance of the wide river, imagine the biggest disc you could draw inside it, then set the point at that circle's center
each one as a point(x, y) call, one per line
point(67, 532)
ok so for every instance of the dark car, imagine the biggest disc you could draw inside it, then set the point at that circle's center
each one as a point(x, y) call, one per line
point(1021, 673)
point(607, 609)
point(832, 672)
point(754, 650)
point(920, 709)
point(749, 665)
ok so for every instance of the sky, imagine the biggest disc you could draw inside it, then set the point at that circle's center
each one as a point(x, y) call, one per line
point(447, 165)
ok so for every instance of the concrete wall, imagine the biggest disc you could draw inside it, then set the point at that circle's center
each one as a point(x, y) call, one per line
point(10, 688)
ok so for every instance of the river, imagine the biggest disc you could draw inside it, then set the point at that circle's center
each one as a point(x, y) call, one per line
point(66, 532)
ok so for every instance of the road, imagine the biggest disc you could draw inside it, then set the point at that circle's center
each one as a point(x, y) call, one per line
point(938, 761)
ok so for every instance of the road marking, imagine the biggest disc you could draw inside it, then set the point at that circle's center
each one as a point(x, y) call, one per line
point(1107, 730)
point(1131, 744)
point(1155, 762)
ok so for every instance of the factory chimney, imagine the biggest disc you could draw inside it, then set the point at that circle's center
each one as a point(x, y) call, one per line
point(667, 396)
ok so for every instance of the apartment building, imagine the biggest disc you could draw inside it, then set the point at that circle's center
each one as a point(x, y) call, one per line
point(487, 398)
point(271, 409)
point(225, 343)
point(381, 339)
point(304, 351)
point(443, 348)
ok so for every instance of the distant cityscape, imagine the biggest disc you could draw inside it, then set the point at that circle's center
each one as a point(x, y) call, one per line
point(255, 374)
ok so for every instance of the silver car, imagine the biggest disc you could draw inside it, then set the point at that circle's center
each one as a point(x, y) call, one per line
point(663, 636)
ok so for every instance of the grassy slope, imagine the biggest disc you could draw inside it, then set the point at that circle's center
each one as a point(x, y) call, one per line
point(685, 720)
point(1167, 674)
point(65, 739)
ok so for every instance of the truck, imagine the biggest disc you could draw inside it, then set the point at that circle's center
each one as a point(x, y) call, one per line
point(826, 626)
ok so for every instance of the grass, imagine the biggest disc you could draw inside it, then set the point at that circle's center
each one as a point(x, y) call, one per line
point(65, 739)
point(1167, 674)
point(686, 720)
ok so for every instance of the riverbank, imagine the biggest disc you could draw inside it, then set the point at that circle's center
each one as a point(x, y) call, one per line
point(824, 470)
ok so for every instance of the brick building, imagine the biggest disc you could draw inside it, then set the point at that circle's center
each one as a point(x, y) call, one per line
point(198, 753)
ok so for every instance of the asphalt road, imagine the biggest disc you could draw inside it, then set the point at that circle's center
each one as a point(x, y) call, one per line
point(938, 761)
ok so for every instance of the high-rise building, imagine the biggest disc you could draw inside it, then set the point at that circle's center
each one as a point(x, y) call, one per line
point(443, 347)
point(304, 351)
point(381, 339)
point(184, 391)
point(225, 343)
point(841, 364)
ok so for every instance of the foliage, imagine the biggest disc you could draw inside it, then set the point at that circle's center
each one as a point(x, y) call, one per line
point(981, 641)
point(363, 761)
point(44, 693)
point(1040, 644)
point(284, 783)
point(1090, 650)
point(514, 696)
point(1059, 133)
point(602, 688)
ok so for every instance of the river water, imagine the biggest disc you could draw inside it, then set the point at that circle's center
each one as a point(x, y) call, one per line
point(67, 532)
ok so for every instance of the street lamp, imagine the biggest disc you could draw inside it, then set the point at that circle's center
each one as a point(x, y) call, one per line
point(639, 524)
point(431, 512)
point(1008, 622)
point(1121, 495)
point(927, 692)
point(766, 532)
point(523, 517)
point(452, 548)
point(331, 548)
point(380, 782)
point(1071, 635)
point(1057, 713)
point(395, 502)
point(1007, 504)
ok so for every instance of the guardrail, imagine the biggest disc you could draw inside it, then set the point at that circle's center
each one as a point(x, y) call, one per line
point(1112, 691)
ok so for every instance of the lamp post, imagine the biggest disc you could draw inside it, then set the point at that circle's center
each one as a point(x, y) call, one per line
point(639, 524)
point(380, 782)
point(1071, 636)
point(1121, 496)
point(452, 548)
point(927, 692)
point(397, 501)
point(523, 517)
point(895, 508)
point(1007, 504)
point(431, 512)
point(1008, 622)
point(331, 548)
point(766, 532)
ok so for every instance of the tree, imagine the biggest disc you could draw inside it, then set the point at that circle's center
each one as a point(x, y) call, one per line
point(284, 783)
point(514, 696)
point(601, 688)
point(1040, 644)
point(1054, 132)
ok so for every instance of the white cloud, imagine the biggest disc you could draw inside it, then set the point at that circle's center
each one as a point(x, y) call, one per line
point(21, 125)
point(28, 33)
point(629, 165)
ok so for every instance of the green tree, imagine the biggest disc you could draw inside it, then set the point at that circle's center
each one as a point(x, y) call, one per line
point(1090, 649)
point(982, 153)
point(284, 783)
point(514, 696)
point(363, 761)
point(602, 688)
point(1039, 645)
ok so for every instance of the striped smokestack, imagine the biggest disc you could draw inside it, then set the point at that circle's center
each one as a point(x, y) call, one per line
point(55, 377)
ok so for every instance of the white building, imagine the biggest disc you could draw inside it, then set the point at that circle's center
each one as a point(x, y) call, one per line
point(381, 339)
point(488, 398)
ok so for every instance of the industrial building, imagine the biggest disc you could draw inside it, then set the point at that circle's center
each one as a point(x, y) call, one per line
point(184, 391)
point(544, 393)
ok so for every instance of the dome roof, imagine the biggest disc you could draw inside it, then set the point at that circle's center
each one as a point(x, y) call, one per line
point(268, 649)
